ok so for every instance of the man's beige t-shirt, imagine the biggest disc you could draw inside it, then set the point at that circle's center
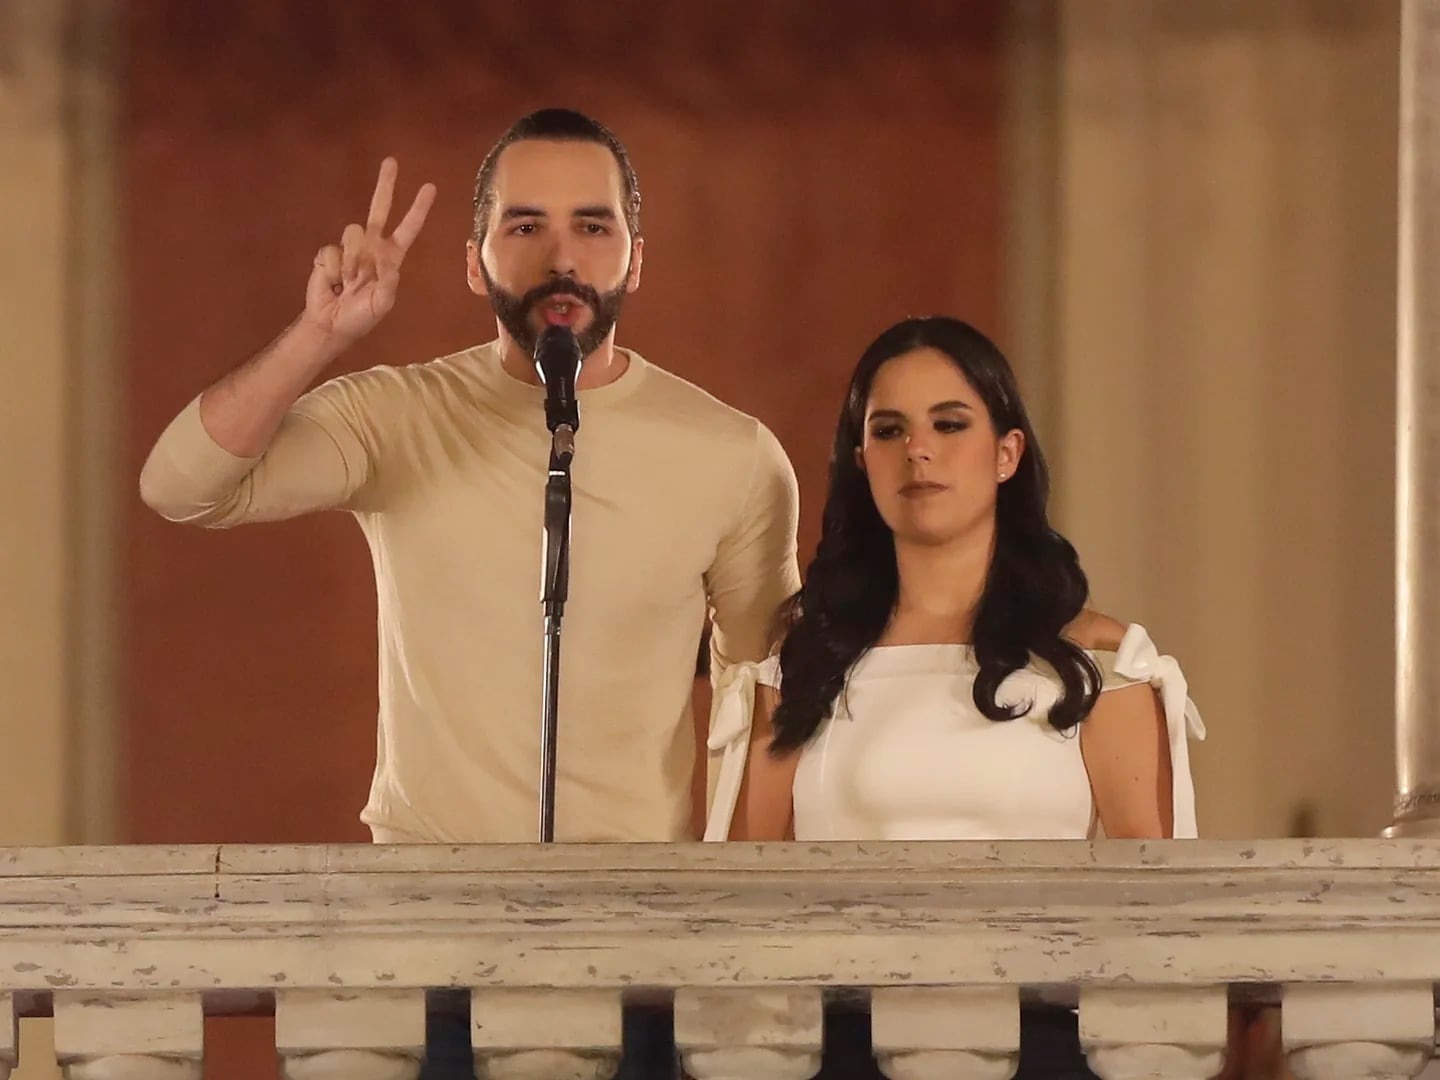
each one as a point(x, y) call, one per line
point(681, 503)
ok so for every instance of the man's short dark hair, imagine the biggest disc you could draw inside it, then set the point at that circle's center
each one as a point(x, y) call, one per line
point(562, 125)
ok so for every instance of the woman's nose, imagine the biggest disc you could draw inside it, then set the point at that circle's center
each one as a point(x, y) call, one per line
point(917, 449)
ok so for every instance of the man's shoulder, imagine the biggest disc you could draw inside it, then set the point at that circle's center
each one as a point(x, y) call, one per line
point(466, 365)
point(673, 396)
point(387, 387)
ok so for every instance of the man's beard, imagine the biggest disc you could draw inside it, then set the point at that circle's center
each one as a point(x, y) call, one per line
point(514, 311)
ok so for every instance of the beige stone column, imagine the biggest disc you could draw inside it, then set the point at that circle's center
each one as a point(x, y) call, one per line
point(1209, 339)
point(59, 406)
point(1417, 459)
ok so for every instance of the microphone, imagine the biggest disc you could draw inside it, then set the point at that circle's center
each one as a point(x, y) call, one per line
point(557, 362)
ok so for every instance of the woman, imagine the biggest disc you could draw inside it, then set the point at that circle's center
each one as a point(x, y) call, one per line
point(942, 678)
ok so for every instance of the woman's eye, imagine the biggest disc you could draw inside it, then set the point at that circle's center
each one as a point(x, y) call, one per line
point(949, 427)
point(888, 431)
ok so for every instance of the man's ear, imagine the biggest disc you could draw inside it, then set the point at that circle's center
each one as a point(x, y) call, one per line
point(637, 259)
point(474, 276)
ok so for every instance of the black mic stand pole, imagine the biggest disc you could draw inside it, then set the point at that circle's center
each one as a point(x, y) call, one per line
point(555, 588)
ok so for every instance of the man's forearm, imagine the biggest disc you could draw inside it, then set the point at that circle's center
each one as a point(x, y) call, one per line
point(243, 410)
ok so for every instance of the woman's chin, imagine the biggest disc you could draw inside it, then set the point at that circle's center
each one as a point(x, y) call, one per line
point(915, 533)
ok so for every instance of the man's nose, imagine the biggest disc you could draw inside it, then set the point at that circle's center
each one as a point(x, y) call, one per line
point(563, 256)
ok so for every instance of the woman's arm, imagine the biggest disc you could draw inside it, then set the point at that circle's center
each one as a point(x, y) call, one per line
point(1126, 749)
point(765, 809)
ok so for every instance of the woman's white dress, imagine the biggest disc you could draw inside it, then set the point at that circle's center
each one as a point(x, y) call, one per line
point(905, 754)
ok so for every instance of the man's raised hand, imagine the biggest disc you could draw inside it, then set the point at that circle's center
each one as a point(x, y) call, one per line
point(353, 284)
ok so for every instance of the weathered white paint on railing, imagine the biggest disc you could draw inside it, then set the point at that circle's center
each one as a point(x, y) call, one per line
point(946, 939)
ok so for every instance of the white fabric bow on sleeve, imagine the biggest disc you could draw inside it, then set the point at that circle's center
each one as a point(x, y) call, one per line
point(1139, 660)
point(730, 722)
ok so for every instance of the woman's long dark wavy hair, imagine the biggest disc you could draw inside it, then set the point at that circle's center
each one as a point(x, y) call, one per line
point(1034, 589)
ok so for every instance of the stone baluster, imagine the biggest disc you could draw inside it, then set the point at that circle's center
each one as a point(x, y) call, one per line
point(9, 1036)
point(1130, 1033)
point(750, 1034)
point(546, 1034)
point(350, 1035)
point(1338, 1031)
point(129, 1036)
point(946, 1033)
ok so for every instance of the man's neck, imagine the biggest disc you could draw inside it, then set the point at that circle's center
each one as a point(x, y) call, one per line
point(599, 368)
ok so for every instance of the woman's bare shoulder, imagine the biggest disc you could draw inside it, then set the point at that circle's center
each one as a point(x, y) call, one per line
point(1095, 630)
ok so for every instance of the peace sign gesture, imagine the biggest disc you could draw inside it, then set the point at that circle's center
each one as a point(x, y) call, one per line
point(353, 285)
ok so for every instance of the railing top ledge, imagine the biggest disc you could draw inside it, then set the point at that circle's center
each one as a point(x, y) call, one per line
point(861, 858)
point(217, 919)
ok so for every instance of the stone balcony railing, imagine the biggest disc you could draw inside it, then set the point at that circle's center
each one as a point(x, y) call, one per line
point(130, 947)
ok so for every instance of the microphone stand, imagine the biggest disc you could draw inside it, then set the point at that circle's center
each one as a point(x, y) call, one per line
point(557, 362)
point(555, 589)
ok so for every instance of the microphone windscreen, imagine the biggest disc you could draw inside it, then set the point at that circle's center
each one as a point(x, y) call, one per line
point(557, 354)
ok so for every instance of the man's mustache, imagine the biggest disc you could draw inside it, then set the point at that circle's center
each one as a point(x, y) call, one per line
point(564, 286)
